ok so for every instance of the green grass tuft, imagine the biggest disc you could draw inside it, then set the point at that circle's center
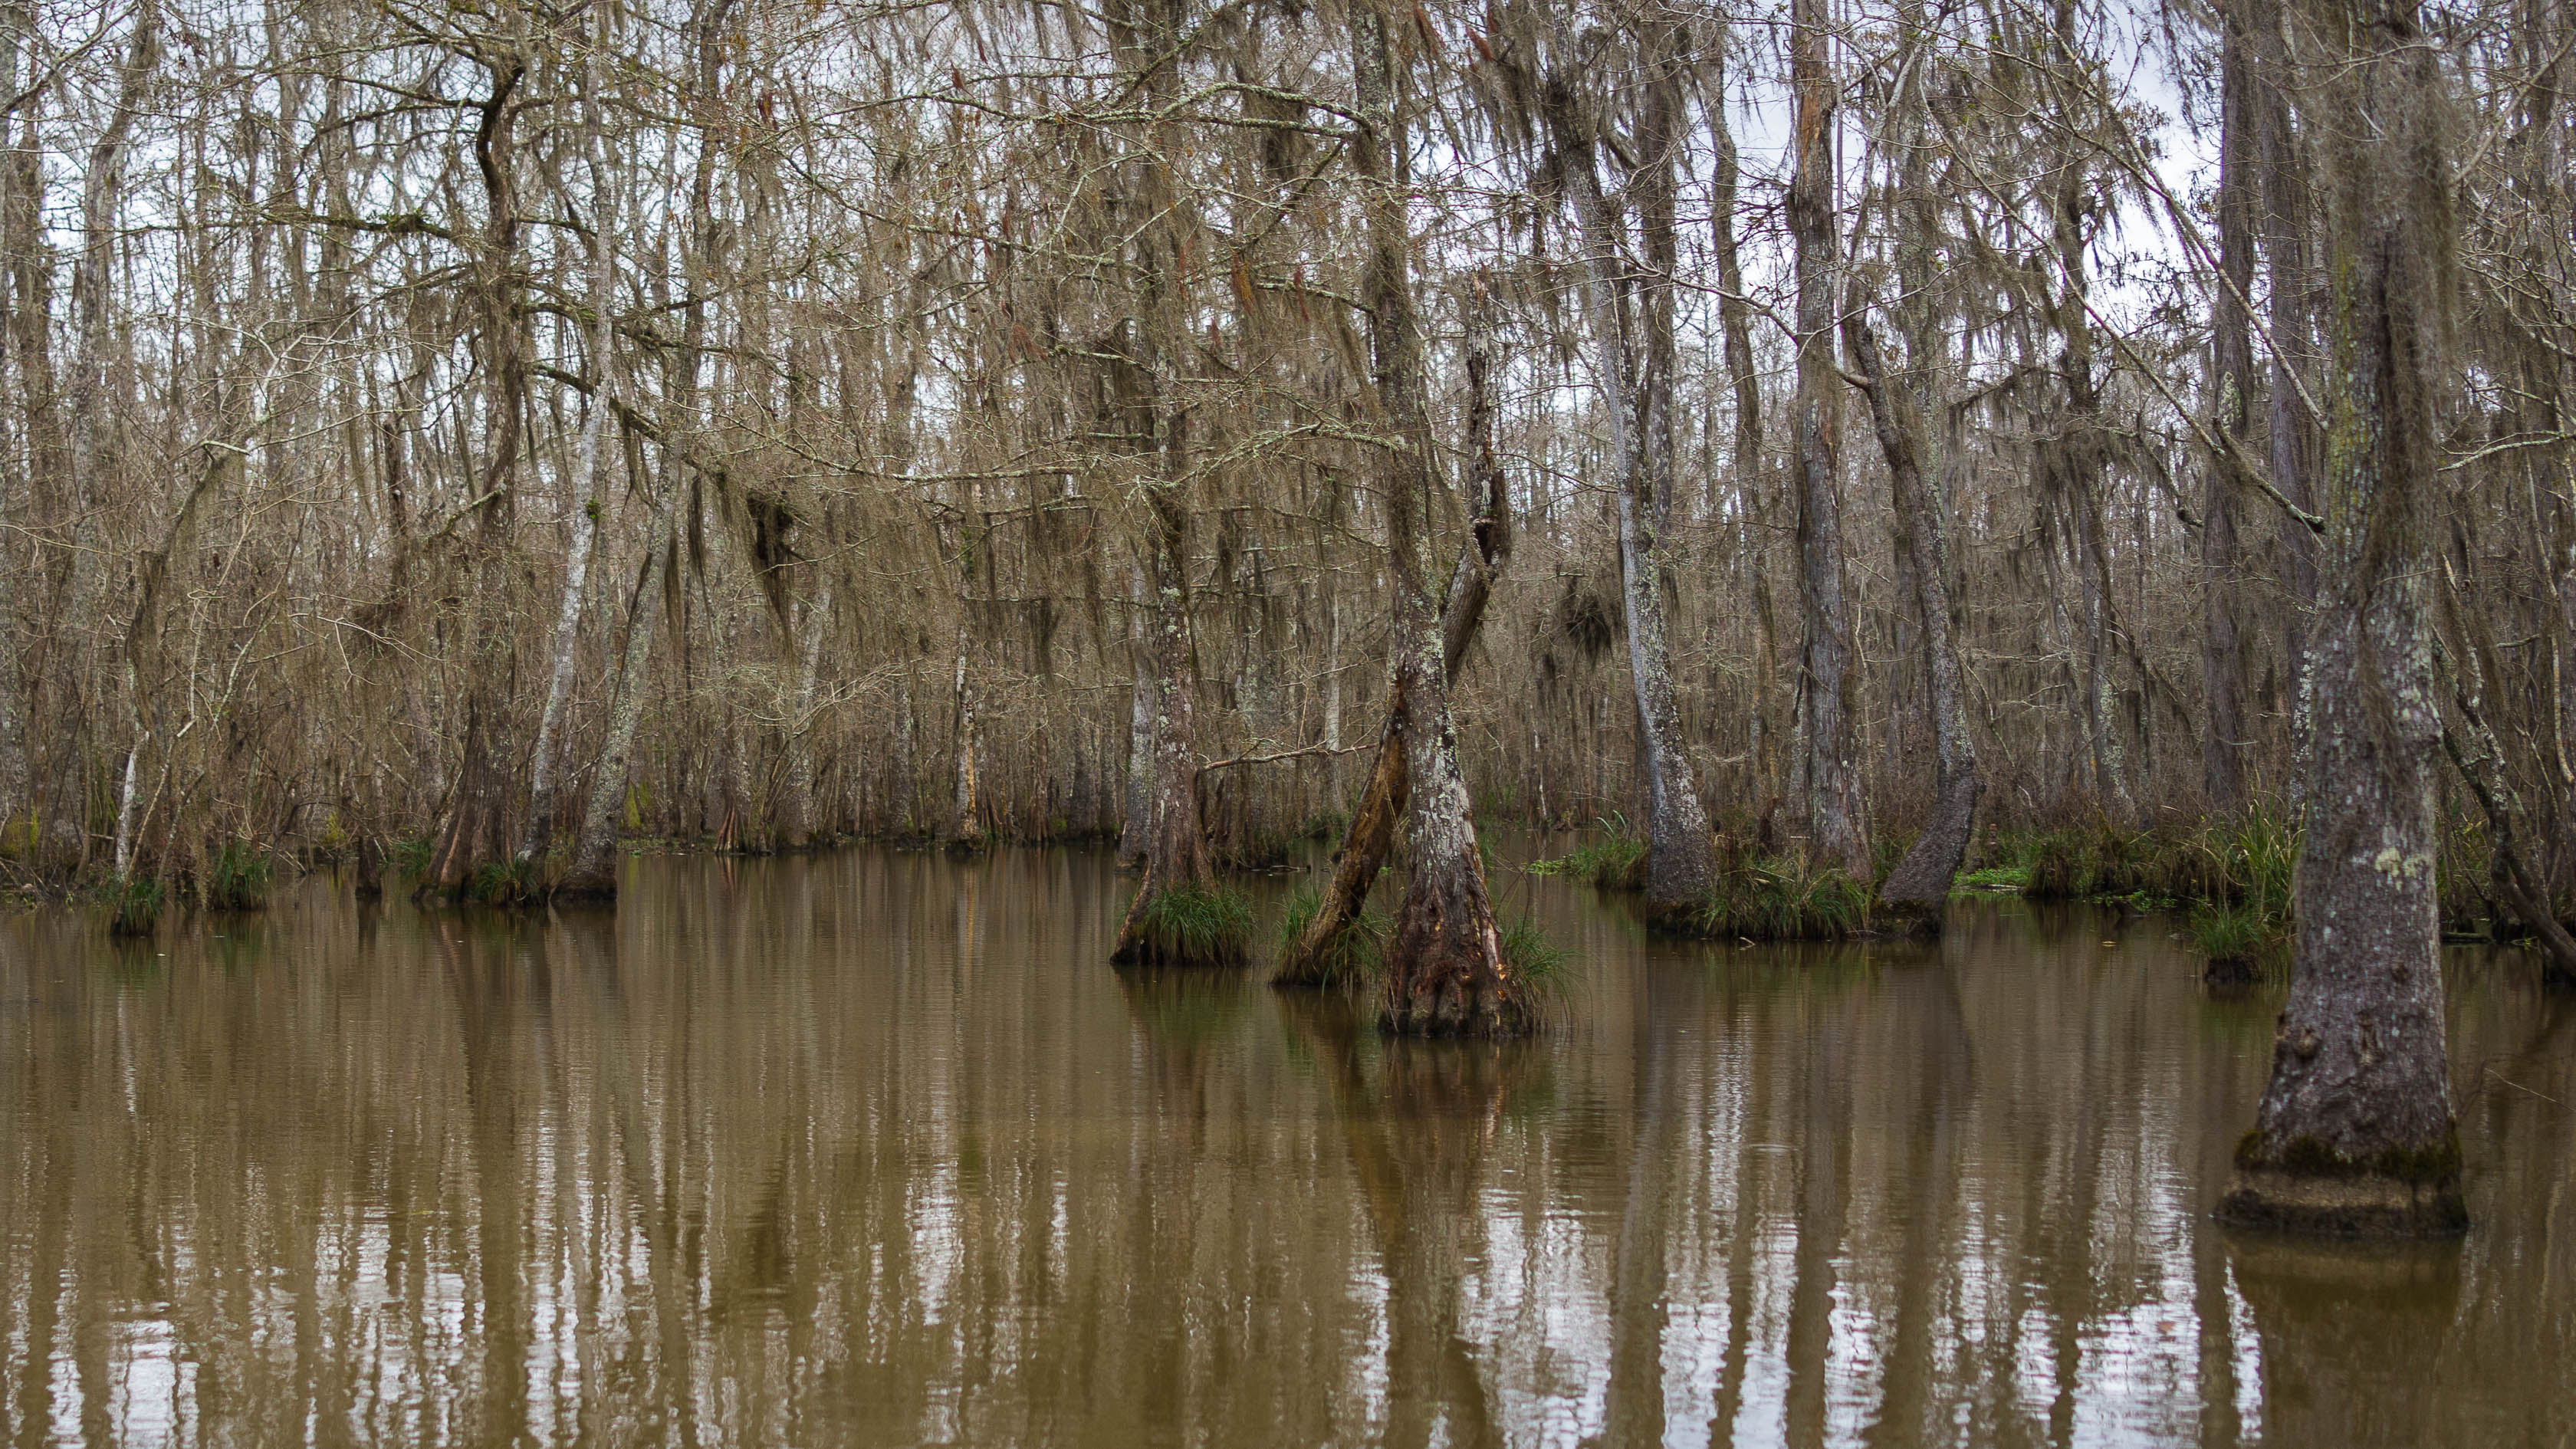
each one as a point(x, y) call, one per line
point(134, 904)
point(2237, 935)
point(237, 879)
point(1194, 925)
point(1358, 954)
point(1760, 898)
point(503, 883)
point(1534, 961)
point(407, 854)
point(1615, 864)
point(1993, 878)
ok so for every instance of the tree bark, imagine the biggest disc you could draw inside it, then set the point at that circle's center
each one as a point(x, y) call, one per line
point(1176, 850)
point(26, 376)
point(1136, 816)
point(544, 771)
point(2232, 363)
point(474, 830)
point(1921, 880)
point(2355, 1133)
point(1370, 835)
point(1679, 869)
point(1834, 818)
point(593, 873)
point(1445, 975)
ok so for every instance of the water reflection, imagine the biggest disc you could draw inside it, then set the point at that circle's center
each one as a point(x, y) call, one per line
point(872, 1149)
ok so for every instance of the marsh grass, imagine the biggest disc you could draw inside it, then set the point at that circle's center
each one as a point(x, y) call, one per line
point(1195, 925)
point(1782, 898)
point(1535, 961)
point(505, 883)
point(134, 904)
point(1616, 863)
point(2233, 877)
point(2013, 878)
point(237, 878)
point(2237, 936)
point(1356, 955)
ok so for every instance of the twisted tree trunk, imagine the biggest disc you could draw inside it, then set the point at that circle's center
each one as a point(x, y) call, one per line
point(1446, 975)
point(1370, 835)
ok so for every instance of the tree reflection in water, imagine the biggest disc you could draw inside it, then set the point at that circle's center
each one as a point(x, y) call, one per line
point(867, 1148)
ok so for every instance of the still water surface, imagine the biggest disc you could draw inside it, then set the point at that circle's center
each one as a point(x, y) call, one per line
point(872, 1148)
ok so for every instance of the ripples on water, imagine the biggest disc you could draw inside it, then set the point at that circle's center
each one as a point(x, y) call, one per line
point(872, 1148)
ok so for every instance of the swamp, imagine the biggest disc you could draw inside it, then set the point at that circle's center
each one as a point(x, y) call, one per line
point(1242, 722)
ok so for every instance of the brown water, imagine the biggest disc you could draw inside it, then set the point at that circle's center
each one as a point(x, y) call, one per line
point(873, 1149)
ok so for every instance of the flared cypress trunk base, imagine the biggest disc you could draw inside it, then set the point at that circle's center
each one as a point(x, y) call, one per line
point(1451, 1004)
point(2228, 971)
point(2304, 1186)
point(1674, 918)
point(1923, 877)
point(1445, 972)
point(2343, 1205)
point(1915, 920)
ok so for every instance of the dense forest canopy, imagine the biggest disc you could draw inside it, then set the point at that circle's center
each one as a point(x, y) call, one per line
point(497, 427)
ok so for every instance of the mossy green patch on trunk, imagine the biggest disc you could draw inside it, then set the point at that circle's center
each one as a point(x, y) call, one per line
point(2430, 1165)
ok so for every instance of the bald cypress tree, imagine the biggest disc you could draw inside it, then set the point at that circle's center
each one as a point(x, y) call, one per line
point(2355, 1133)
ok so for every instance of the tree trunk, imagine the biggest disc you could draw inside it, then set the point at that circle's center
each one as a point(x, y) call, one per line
point(1921, 880)
point(544, 772)
point(474, 831)
point(1679, 870)
point(798, 813)
point(1370, 835)
point(1445, 975)
point(2232, 363)
point(26, 377)
point(1176, 851)
point(2355, 1133)
point(1834, 818)
point(1136, 815)
point(593, 874)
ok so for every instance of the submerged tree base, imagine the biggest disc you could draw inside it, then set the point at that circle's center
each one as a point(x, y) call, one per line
point(1454, 1006)
point(2367, 1206)
point(1187, 925)
point(2308, 1187)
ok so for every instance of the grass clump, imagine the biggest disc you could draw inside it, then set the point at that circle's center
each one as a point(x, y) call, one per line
point(1763, 898)
point(134, 904)
point(1533, 960)
point(236, 879)
point(1194, 924)
point(408, 854)
point(1357, 954)
point(1615, 864)
point(504, 883)
point(1993, 878)
point(2238, 936)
